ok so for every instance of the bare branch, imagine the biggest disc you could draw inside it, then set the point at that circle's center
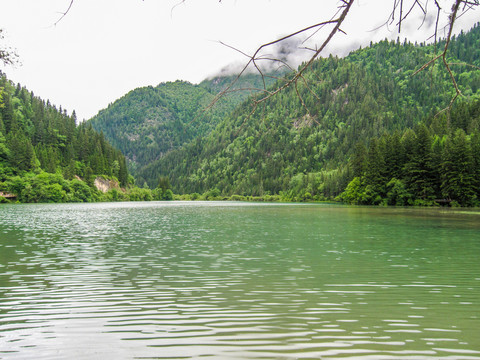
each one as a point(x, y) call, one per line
point(436, 23)
point(398, 8)
point(401, 17)
point(443, 55)
point(64, 13)
point(7, 55)
point(453, 17)
point(465, 64)
point(301, 99)
point(402, 9)
point(254, 58)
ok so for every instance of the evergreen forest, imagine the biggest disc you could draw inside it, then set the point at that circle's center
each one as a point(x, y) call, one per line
point(433, 163)
point(306, 142)
point(45, 156)
point(364, 129)
point(148, 122)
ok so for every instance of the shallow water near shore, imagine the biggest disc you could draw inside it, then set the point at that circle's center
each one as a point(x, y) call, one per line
point(225, 280)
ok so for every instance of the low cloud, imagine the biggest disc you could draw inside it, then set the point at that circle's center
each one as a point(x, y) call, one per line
point(282, 56)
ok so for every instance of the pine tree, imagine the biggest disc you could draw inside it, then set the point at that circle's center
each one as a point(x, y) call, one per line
point(4, 151)
point(359, 159)
point(475, 147)
point(375, 166)
point(458, 170)
point(418, 173)
point(374, 174)
point(123, 173)
point(435, 165)
point(22, 154)
point(7, 113)
point(394, 156)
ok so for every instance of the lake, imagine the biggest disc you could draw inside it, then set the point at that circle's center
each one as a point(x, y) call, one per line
point(222, 280)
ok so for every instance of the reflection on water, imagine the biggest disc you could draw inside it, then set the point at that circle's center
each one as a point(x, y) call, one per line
point(238, 281)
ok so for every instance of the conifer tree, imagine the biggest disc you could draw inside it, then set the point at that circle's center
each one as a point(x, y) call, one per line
point(375, 166)
point(458, 181)
point(123, 173)
point(417, 170)
point(359, 159)
point(4, 151)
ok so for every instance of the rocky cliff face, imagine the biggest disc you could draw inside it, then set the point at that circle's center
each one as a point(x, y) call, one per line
point(104, 185)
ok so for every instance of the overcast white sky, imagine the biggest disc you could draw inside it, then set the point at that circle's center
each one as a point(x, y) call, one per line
point(103, 49)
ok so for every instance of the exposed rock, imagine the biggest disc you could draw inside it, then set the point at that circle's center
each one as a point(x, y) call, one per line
point(105, 185)
point(133, 137)
point(7, 195)
point(340, 89)
point(304, 121)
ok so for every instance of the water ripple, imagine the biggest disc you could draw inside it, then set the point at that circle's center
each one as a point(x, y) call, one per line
point(236, 281)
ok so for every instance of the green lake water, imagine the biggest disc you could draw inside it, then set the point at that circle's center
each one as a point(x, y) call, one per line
point(221, 280)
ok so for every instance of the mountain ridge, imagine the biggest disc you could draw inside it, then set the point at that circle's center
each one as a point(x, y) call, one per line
point(148, 122)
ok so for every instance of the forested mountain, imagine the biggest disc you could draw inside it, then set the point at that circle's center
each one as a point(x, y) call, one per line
point(45, 156)
point(148, 122)
point(300, 144)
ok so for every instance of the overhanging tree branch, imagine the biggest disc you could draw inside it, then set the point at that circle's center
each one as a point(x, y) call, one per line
point(443, 55)
point(65, 12)
point(402, 9)
point(7, 56)
point(256, 57)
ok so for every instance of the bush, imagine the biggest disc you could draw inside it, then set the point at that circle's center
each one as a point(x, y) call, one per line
point(354, 193)
point(140, 194)
point(397, 193)
point(212, 194)
point(115, 195)
point(81, 192)
point(237, 198)
point(168, 195)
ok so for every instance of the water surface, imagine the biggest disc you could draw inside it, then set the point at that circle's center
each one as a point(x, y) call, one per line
point(238, 281)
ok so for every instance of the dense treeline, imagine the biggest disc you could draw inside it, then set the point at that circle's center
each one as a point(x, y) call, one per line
point(299, 144)
point(427, 165)
point(45, 156)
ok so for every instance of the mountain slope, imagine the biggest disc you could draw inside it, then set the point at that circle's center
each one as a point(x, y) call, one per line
point(371, 91)
point(43, 153)
point(148, 122)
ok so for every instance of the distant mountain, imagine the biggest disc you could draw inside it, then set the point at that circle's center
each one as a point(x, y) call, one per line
point(300, 144)
point(148, 122)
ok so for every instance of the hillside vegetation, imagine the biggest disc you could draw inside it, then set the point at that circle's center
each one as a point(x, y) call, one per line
point(148, 122)
point(304, 151)
point(45, 156)
point(436, 162)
